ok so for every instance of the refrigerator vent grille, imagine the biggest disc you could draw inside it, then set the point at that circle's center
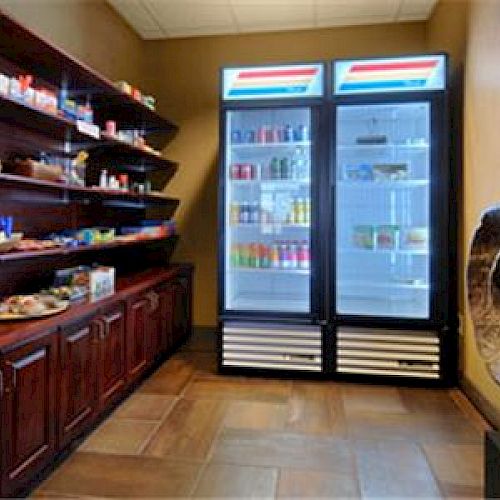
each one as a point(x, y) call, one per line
point(272, 347)
point(391, 353)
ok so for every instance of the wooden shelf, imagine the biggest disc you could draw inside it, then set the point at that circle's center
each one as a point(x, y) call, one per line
point(130, 154)
point(44, 60)
point(55, 252)
point(89, 193)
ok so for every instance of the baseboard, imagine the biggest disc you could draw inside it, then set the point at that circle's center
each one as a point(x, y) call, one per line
point(483, 405)
point(204, 330)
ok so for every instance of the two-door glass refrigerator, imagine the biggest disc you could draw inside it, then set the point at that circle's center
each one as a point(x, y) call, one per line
point(269, 264)
point(334, 226)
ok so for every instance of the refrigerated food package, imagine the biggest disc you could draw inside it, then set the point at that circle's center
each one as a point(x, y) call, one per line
point(362, 172)
point(415, 238)
point(390, 171)
point(387, 237)
point(363, 237)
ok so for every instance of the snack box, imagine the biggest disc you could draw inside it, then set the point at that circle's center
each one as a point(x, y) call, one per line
point(362, 172)
point(363, 237)
point(102, 282)
point(387, 236)
point(390, 171)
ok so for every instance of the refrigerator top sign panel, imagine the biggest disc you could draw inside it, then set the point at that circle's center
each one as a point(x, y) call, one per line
point(402, 74)
point(273, 82)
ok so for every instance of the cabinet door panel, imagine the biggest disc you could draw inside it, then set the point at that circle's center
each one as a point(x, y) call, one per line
point(138, 338)
point(78, 379)
point(27, 411)
point(112, 363)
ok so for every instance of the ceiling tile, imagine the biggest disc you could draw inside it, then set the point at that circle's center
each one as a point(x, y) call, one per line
point(190, 14)
point(269, 13)
point(135, 14)
point(334, 9)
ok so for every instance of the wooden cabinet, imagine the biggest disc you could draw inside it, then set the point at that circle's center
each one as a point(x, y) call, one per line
point(111, 364)
point(28, 411)
point(181, 309)
point(56, 385)
point(78, 376)
point(139, 329)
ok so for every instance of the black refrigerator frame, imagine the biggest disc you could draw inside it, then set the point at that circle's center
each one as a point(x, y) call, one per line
point(443, 239)
point(443, 309)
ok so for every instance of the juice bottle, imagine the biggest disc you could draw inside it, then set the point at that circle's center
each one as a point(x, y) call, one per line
point(255, 255)
point(307, 211)
point(264, 256)
point(284, 168)
point(275, 256)
point(293, 255)
point(254, 213)
point(299, 211)
point(244, 255)
point(284, 257)
point(244, 213)
point(234, 213)
point(235, 256)
point(304, 255)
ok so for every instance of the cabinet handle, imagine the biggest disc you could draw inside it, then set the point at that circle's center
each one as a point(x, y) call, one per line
point(101, 329)
point(154, 301)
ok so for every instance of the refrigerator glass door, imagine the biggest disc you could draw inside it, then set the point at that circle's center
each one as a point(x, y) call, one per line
point(382, 210)
point(268, 210)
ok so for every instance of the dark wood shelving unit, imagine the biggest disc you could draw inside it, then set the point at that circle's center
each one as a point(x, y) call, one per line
point(76, 365)
point(60, 251)
point(45, 60)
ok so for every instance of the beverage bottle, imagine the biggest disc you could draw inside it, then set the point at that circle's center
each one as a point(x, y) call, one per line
point(275, 256)
point(304, 255)
point(236, 136)
point(298, 211)
point(261, 134)
point(244, 213)
point(246, 171)
point(293, 169)
point(256, 171)
point(244, 255)
point(288, 133)
point(265, 171)
point(269, 134)
point(255, 212)
point(275, 169)
point(264, 256)
point(276, 134)
point(234, 214)
point(235, 259)
point(284, 169)
point(250, 136)
point(284, 258)
point(256, 255)
point(307, 211)
point(234, 171)
point(293, 253)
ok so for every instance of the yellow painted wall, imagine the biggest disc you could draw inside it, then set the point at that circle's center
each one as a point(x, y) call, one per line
point(90, 30)
point(470, 31)
point(184, 76)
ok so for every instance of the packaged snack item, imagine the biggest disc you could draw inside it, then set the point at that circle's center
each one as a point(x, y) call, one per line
point(387, 236)
point(363, 237)
point(362, 172)
point(416, 238)
point(390, 171)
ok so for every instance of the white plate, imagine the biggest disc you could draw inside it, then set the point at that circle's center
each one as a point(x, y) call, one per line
point(49, 312)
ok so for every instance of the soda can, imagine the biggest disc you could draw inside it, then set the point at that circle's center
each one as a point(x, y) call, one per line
point(250, 136)
point(235, 171)
point(236, 136)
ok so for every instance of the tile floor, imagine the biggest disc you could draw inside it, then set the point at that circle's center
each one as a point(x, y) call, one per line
point(187, 432)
